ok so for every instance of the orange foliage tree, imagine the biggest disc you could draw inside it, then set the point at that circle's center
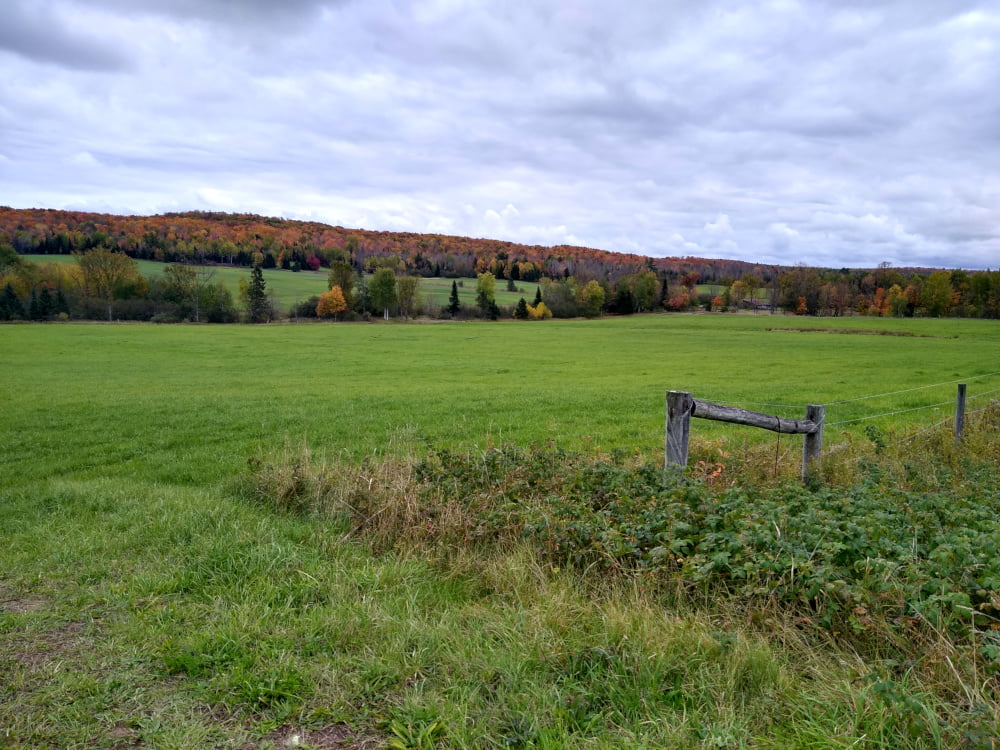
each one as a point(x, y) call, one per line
point(331, 303)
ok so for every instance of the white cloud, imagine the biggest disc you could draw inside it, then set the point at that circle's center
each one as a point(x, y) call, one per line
point(720, 226)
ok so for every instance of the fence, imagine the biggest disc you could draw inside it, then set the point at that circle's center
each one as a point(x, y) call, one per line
point(681, 407)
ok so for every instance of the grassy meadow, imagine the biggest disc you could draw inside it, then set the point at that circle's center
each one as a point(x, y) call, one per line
point(148, 598)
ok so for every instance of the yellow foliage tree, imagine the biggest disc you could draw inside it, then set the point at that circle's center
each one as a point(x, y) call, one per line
point(331, 303)
point(539, 312)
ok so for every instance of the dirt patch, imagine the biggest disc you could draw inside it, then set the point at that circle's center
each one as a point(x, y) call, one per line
point(333, 737)
point(43, 648)
point(24, 605)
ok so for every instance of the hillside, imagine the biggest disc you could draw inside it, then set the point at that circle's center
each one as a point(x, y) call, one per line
point(234, 238)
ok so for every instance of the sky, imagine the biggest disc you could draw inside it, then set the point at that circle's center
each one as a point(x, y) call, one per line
point(835, 133)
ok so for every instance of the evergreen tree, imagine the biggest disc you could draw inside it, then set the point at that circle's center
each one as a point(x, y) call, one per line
point(258, 306)
point(10, 306)
point(34, 308)
point(538, 296)
point(454, 306)
point(521, 311)
point(45, 304)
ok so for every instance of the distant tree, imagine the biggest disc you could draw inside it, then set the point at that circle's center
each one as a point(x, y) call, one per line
point(561, 297)
point(591, 299)
point(107, 273)
point(645, 288)
point(511, 286)
point(486, 291)
point(737, 293)
point(936, 293)
point(408, 295)
point(342, 275)
point(186, 287)
point(258, 306)
point(538, 296)
point(10, 305)
point(521, 311)
point(331, 303)
point(539, 312)
point(382, 289)
point(752, 285)
point(454, 306)
point(623, 302)
point(9, 259)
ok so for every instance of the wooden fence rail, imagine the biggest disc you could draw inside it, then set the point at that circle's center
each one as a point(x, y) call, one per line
point(681, 406)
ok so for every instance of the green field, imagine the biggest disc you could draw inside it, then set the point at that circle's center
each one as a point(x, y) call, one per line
point(148, 600)
point(288, 287)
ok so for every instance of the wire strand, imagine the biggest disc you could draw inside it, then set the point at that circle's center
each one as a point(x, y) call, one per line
point(982, 395)
point(889, 414)
point(910, 390)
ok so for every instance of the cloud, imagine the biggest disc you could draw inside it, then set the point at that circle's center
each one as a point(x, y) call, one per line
point(32, 29)
point(789, 131)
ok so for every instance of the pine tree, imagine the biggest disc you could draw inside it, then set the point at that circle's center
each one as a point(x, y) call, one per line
point(454, 306)
point(521, 311)
point(538, 296)
point(10, 305)
point(258, 307)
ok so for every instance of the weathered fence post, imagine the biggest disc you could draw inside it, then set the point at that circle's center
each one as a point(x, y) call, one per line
point(680, 405)
point(812, 447)
point(960, 413)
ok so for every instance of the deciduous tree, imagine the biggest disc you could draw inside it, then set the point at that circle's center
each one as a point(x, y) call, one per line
point(591, 299)
point(106, 273)
point(382, 290)
point(408, 295)
point(342, 275)
point(486, 292)
point(331, 303)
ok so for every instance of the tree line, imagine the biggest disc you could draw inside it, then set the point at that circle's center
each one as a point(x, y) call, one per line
point(574, 282)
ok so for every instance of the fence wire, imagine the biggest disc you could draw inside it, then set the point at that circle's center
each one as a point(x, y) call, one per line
point(910, 390)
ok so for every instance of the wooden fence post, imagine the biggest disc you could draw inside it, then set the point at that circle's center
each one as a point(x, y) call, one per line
point(812, 447)
point(680, 404)
point(960, 413)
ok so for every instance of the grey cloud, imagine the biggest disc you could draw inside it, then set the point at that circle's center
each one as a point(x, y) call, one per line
point(238, 12)
point(34, 31)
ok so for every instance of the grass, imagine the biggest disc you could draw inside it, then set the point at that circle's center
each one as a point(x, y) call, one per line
point(148, 599)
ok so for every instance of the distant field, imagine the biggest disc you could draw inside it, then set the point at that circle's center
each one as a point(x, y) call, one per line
point(288, 287)
point(196, 400)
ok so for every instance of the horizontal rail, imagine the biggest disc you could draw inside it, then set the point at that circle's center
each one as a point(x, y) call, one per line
point(719, 413)
point(681, 407)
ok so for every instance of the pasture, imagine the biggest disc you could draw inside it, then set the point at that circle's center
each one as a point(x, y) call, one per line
point(147, 599)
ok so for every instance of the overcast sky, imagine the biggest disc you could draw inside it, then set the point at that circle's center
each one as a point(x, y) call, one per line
point(836, 133)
